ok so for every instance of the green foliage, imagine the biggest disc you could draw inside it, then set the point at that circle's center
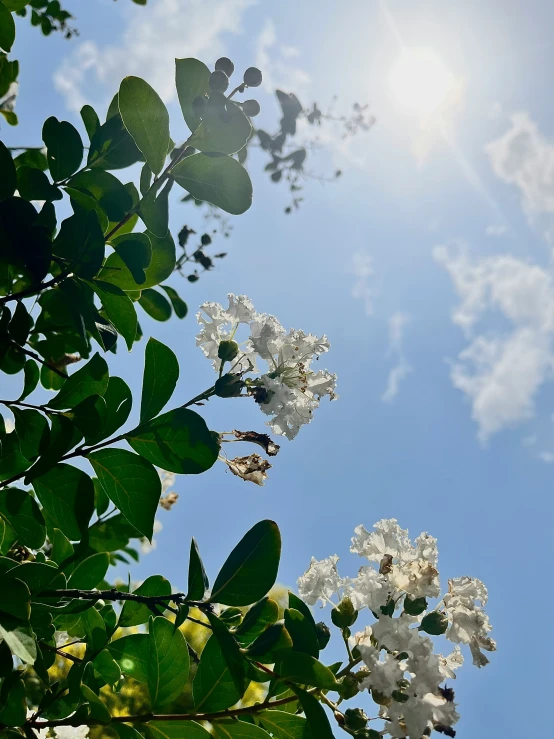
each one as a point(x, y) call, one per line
point(71, 282)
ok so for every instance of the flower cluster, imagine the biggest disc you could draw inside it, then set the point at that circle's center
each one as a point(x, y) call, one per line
point(289, 390)
point(399, 665)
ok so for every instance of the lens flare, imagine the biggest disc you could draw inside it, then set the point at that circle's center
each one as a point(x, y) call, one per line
point(421, 82)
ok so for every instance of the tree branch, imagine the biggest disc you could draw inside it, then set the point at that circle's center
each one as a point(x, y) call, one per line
point(34, 290)
point(39, 359)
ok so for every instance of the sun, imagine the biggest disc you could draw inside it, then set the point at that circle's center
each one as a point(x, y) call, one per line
point(421, 82)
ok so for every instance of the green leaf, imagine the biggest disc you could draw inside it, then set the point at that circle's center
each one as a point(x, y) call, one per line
point(285, 725)
point(177, 730)
point(39, 576)
point(81, 242)
point(111, 535)
point(198, 581)
point(302, 631)
point(239, 730)
point(179, 305)
point(114, 199)
point(131, 653)
point(35, 185)
point(126, 268)
point(67, 496)
point(8, 181)
point(315, 715)
point(154, 303)
point(89, 416)
point(217, 179)
point(108, 669)
point(224, 128)
point(32, 158)
point(269, 646)
point(91, 120)
point(15, 599)
point(119, 309)
point(63, 436)
point(31, 373)
point(147, 120)
point(134, 614)
point(7, 29)
point(161, 372)
point(177, 441)
point(168, 662)
point(299, 667)
point(145, 179)
point(92, 379)
point(250, 570)
point(89, 572)
point(261, 615)
point(12, 693)
point(154, 210)
point(213, 686)
point(19, 638)
point(65, 148)
point(20, 510)
point(192, 80)
point(119, 401)
point(131, 483)
point(230, 650)
point(112, 147)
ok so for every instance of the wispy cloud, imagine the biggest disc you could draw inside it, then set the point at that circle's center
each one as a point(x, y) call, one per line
point(397, 324)
point(276, 60)
point(153, 37)
point(362, 268)
point(503, 366)
point(524, 157)
point(496, 230)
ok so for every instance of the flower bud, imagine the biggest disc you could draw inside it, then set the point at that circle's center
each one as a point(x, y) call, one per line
point(349, 686)
point(252, 77)
point(380, 698)
point(355, 719)
point(414, 606)
point(251, 108)
point(434, 623)
point(323, 634)
point(218, 81)
point(399, 697)
point(225, 65)
point(344, 615)
point(229, 386)
point(227, 350)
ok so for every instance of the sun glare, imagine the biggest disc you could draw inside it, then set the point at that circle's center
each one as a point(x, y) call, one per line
point(420, 81)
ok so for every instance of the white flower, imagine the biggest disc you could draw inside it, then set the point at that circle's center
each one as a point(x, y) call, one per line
point(468, 622)
point(384, 670)
point(388, 538)
point(71, 732)
point(289, 391)
point(219, 324)
point(167, 479)
point(395, 634)
point(370, 589)
point(451, 663)
point(320, 581)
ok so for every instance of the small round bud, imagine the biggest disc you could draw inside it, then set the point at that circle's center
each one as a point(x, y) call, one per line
point(355, 719)
point(434, 623)
point(344, 615)
point(205, 239)
point(252, 77)
point(225, 65)
point(348, 686)
point(229, 386)
point(218, 81)
point(323, 634)
point(199, 106)
point(227, 350)
point(99, 604)
point(251, 108)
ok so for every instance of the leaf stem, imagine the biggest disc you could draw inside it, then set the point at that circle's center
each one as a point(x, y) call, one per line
point(34, 290)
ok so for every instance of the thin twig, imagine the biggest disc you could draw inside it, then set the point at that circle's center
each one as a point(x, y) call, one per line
point(34, 290)
point(39, 359)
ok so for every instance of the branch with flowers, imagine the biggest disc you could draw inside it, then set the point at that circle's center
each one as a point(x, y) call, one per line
point(79, 486)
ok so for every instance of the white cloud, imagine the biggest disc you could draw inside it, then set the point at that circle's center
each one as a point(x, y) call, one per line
point(274, 59)
point(496, 230)
point(362, 268)
point(507, 314)
point(547, 457)
point(524, 157)
point(397, 324)
point(155, 35)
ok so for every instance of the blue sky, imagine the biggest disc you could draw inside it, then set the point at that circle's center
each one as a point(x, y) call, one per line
point(445, 222)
